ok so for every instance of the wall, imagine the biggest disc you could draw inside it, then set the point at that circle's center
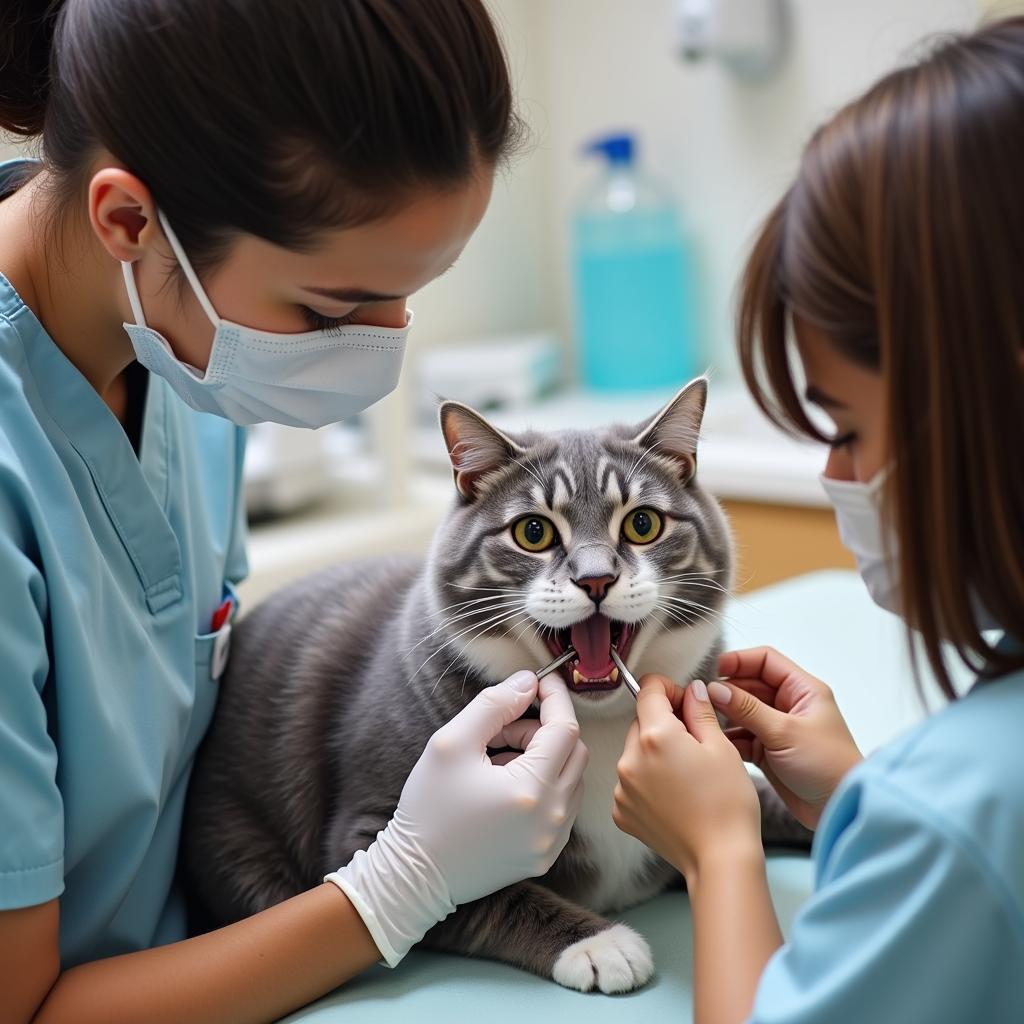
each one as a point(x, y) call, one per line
point(728, 148)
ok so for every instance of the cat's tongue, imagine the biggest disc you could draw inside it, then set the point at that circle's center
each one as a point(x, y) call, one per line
point(592, 640)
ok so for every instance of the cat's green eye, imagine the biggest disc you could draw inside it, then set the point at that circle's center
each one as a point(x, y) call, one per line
point(642, 525)
point(534, 533)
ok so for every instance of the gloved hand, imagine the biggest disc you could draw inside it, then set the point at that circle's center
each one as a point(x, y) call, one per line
point(787, 723)
point(465, 825)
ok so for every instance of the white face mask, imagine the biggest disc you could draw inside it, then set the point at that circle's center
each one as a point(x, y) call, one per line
point(302, 380)
point(858, 508)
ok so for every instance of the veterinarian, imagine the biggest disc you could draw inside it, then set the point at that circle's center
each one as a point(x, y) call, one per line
point(894, 264)
point(233, 203)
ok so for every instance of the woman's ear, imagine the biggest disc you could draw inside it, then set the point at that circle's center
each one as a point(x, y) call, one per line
point(122, 213)
point(475, 448)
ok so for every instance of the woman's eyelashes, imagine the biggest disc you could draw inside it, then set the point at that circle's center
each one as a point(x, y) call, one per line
point(842, 440)
point(319, 322)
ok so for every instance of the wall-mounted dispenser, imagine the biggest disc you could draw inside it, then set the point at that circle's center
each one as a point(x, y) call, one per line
point(747, 36)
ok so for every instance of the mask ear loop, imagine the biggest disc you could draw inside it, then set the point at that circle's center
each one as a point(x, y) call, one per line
point(128, 269)
point(190, 274)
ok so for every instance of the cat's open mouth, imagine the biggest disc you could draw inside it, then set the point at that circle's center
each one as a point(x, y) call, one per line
point(593, 670)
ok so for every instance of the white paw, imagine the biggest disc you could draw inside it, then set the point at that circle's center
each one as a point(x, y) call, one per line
point(615, 960)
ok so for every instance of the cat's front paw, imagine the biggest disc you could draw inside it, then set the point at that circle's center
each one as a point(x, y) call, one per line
point(614, 960)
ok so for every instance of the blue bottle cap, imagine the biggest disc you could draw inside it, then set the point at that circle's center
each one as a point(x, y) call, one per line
point(618, 150)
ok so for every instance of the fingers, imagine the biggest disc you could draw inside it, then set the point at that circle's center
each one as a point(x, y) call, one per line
point(743, 708)
point(576, 765)
point(746, 743)
point(553, 743)
point(699, 713)
point(575, 800)
point(763, 663)
point(658, 701)
point(516, 734)
point(762, 691)
point(488, 713)
point(572, 808)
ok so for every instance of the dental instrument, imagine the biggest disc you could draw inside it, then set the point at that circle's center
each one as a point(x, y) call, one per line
point(570, 652)
point(627, 677)
point(567, 655)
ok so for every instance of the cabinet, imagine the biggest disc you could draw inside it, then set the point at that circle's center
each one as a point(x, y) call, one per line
point(775, 542)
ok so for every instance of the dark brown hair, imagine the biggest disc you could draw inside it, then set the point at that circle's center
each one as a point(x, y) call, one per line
point(275, 118)
point(902, 240)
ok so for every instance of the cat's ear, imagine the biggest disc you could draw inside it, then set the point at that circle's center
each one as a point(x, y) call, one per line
point(475, 447)
point(675, 430)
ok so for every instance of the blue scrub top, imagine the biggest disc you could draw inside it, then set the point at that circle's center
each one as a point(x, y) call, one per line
point(111, 567)
point(918, 910)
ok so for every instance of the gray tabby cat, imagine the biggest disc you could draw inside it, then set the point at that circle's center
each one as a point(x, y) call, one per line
point(336, 683)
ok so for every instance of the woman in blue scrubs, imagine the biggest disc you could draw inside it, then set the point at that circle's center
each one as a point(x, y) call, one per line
point(892, 270)
point(233, 203)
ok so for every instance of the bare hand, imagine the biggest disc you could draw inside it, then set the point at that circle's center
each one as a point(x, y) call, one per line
point(682, 787)
point(788, 724)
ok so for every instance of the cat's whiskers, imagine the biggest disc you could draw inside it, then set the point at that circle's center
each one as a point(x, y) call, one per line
point(531, 471)
point(465, 676)
point(704, 575)
point(479, 600)
point(519, 636)
point(719, 613)
point(702, 612)
point(496, 605)
point(465, 646)
point(704, 586)
point(739, 584)
point(646, 453)
point(500, 617)
point(674, 616)
point(493, 590)
point(698, 580)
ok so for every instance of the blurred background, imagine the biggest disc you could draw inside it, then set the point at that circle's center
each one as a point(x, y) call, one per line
point(603, 274)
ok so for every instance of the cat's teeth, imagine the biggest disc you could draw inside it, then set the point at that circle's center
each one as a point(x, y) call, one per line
point(612, 677)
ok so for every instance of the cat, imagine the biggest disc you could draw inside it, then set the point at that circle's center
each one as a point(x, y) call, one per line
point(336, 682)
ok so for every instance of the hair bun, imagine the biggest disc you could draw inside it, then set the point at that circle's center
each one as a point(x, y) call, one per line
point(26, 34)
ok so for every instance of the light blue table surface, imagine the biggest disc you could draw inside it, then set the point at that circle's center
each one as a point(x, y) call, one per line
point(825, 622)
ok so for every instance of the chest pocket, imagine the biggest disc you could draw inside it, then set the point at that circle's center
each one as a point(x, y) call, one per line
point(211, 658)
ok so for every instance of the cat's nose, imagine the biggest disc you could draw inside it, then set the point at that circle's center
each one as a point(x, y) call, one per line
point(596, 586)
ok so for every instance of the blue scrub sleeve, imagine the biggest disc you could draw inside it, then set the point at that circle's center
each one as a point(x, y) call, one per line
point(237, 563)
point(907, 923)
point(31, 808)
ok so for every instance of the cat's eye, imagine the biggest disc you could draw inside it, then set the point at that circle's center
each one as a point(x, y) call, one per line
point(534, 533)
point(642, 525)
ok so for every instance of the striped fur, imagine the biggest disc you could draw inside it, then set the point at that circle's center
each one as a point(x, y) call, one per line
point(336, 683)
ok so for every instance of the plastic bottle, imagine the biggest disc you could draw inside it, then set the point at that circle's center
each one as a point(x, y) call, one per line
point(635, 323)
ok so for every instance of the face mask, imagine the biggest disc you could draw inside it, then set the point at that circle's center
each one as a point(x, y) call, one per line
point(302, 380)
point(858, 508)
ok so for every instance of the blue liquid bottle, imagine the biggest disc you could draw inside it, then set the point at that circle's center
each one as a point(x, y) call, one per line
point(635, 323)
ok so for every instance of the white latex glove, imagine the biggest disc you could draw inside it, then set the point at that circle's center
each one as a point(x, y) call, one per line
point(465, 825)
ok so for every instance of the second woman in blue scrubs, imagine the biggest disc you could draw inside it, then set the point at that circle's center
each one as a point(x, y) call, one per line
point(886, 289)
point(233, 202)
